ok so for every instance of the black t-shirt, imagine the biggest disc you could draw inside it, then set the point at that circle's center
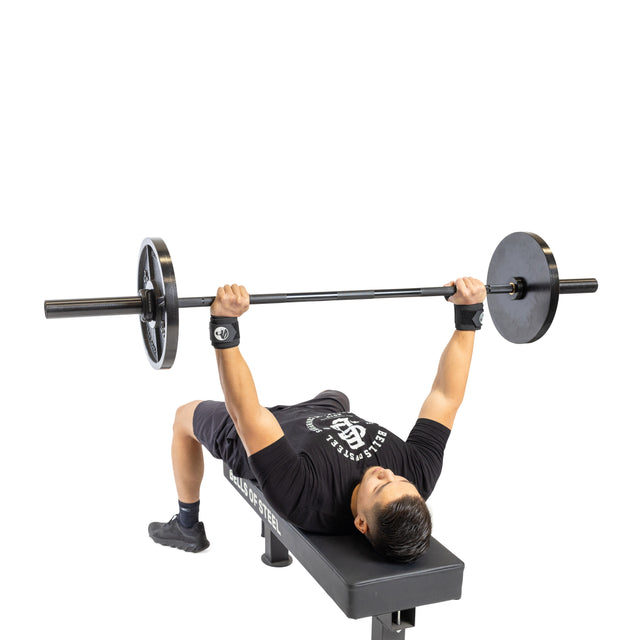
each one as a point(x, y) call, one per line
point(309, 475)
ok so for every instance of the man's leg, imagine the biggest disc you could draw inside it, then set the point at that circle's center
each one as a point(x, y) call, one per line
point(184, 531)
point(186, 455)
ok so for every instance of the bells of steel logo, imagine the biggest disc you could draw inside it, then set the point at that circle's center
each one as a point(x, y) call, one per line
point(351, 432)
point(221, 334)
point(349, 435)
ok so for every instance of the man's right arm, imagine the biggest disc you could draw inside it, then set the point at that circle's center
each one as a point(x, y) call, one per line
point(256, 426)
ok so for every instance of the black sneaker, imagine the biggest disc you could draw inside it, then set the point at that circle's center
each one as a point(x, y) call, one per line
point(173, 534)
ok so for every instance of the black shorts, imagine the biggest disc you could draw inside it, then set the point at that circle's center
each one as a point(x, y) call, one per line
point(215, 430)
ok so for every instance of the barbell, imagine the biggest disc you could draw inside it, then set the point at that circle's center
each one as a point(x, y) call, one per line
point(523, 295)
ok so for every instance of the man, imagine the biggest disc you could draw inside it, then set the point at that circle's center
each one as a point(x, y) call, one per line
point(321, 467)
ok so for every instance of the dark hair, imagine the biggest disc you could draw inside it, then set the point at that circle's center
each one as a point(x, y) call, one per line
point(401, 530)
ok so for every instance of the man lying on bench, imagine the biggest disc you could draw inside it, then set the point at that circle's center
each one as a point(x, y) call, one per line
point(321, 467)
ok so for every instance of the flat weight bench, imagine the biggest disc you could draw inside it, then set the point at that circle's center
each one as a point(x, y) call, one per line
point(346, 567)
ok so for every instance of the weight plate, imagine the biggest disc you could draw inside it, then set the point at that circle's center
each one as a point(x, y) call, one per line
point(155, 272)
point(526, 256)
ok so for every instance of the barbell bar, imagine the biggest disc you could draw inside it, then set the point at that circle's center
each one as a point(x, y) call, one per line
point(522, 267)
point(132, 305)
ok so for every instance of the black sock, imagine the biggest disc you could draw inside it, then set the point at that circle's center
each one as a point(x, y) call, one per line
point(188, 513)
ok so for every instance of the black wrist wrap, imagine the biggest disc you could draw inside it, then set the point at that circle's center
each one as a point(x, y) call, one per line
point(469, 316)
point(224, 332)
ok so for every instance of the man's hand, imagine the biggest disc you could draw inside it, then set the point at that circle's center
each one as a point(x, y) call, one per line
point(231, 301)
point(468, 291)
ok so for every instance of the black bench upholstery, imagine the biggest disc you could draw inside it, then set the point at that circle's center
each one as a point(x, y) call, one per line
point(360, 582)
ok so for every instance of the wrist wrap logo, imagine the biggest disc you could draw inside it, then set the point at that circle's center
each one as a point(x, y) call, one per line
point(221, 334)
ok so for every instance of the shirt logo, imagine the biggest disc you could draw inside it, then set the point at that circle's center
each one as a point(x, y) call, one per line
point(350, 432)
point(349, 436)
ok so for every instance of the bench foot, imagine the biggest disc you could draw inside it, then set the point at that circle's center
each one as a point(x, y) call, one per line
point(391, 626)
point(275, 553)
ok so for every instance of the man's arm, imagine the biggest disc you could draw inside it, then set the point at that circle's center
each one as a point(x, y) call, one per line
point(256, 426)
point(448, 388)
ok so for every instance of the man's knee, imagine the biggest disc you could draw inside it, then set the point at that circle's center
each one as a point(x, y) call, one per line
point(183, 422)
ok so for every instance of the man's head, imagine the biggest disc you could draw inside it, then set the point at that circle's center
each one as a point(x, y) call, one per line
point(391, 513)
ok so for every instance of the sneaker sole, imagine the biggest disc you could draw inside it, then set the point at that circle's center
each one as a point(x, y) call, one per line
point(191, 548)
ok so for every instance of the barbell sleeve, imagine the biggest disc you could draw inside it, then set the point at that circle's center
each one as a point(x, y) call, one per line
point(92, 307)
point(585, 285)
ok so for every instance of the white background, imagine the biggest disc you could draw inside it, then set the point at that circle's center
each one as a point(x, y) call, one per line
point(296, 146)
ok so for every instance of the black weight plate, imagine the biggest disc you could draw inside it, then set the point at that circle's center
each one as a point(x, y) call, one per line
point(155, 271)
point(526, 256)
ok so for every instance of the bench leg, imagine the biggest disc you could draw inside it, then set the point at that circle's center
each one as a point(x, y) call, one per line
point(391, 626)
point(275, 553)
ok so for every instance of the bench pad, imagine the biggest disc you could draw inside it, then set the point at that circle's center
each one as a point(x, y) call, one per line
point(360, 582)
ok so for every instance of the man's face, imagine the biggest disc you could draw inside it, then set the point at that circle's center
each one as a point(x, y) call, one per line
point(380, 487)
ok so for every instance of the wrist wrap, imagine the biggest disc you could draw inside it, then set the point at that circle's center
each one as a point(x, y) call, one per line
point(224, 332)
point(469, 317)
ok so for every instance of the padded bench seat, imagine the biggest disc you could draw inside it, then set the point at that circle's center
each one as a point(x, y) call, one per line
point(360, 582)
